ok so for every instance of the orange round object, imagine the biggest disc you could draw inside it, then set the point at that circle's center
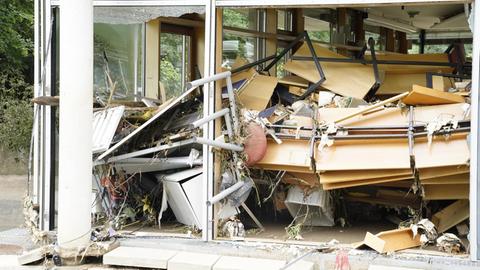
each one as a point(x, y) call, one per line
point(255, 145)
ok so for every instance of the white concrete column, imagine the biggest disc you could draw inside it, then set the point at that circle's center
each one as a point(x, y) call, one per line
point(75, 130)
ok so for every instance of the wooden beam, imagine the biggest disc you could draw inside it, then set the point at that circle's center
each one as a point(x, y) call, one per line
point(152, 59)
point(358, 28)
point(402, 42)
point(451, 215)
point(420, 95)
point(389, 40)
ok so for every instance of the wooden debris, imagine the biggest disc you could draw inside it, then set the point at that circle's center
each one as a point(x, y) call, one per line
point(420, 95)
point(451, 215)
point(391, 241)
point(257, 92)
point(302, 179)
point(359, 81)
point(290, 156)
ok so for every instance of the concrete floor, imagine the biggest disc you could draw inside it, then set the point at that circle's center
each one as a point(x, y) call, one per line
point(12, 190)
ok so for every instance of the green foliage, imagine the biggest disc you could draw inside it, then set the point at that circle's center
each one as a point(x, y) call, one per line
point(234, 18)
point(171, 64)
point(16, 46)
point(323, 36)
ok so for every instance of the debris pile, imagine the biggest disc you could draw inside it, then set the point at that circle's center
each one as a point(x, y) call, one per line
point(367, 130)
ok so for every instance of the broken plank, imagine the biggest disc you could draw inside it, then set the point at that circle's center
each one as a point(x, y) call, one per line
point(420, 95)
point(449, 179)
point(256, 94)
point(446, 192)
point(451, 215)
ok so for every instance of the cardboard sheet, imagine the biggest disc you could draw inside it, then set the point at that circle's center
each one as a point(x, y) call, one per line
point(346, 79)
point(257, 92)
point(420, 95)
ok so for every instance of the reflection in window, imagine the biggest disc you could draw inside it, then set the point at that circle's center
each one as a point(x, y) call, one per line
point(238, 47)
point(174, 63)
point(285, 20)
point(118, 65)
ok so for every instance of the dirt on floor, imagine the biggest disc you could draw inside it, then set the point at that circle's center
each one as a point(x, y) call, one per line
point(12, 190)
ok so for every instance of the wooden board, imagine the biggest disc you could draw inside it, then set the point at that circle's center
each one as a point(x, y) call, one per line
point(454, 151)
point(397, 83)
point(451, 215)
point(257, 93)
point(446, 192)
point(330, 186)
point(428, 173)
point(449, 179)
point(408, 69)
point(420, 95)
point(293, 81)
point(364, 155)
point(291, 153)
point(346, 79)
point(345, 176)
point(393, 240)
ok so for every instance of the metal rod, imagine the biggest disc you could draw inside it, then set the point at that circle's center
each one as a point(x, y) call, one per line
point(282, 53)
point(202, 81)
point(255, 219)
point(253, 64)
point(224, 193)
point(223, 145)
point(369, 62)
point(201, 122)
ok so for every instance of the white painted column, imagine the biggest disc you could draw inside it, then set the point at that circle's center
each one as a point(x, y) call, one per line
point(474, 139)
point(75, 130)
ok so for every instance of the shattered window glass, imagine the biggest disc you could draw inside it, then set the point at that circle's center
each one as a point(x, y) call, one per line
point(118, 64)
